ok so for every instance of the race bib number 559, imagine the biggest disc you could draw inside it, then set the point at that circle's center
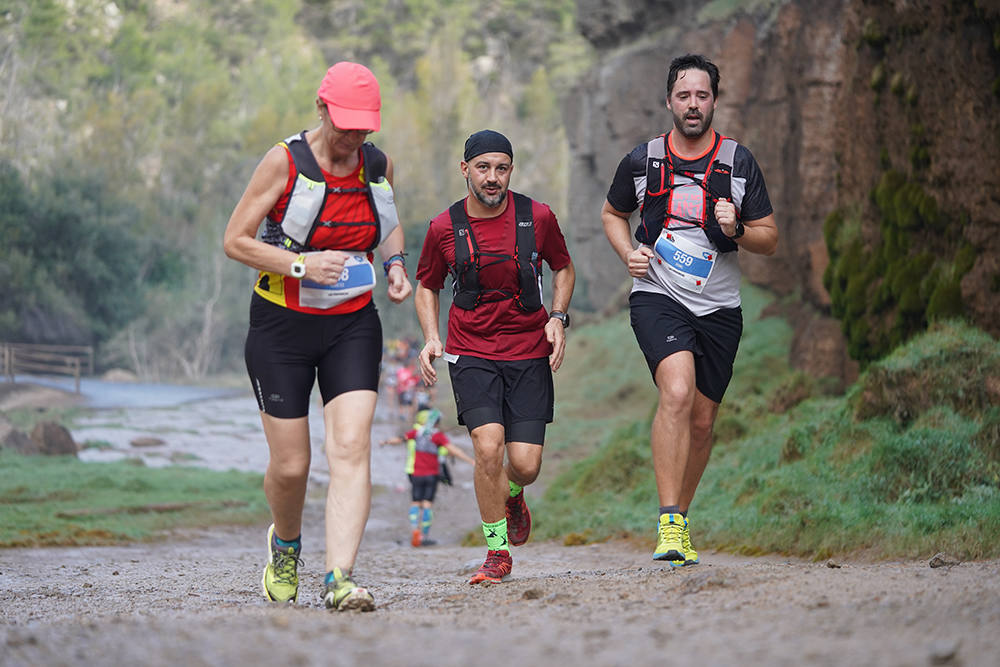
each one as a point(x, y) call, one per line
point(688, 265)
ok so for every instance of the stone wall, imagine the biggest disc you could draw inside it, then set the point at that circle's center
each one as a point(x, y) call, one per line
point(793, 90)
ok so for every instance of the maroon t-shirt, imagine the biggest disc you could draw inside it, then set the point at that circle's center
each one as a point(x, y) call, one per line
point(497, 329)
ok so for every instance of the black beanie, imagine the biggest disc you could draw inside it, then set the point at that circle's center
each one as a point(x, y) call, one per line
point(487, 141)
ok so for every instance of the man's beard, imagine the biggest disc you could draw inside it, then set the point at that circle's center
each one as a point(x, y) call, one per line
point(489, 202)
point(694, 132)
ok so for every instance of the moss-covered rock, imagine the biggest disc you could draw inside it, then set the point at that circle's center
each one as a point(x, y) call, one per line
point(909, 276)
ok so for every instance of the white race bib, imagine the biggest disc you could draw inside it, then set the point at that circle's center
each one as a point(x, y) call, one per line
point(687, 264)
point(357, 278)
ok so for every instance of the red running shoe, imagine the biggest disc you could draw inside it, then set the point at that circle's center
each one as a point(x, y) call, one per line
point(416, 539)
point(518, 520)
point(495, 569)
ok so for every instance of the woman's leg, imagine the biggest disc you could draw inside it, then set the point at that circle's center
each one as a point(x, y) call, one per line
point(348, 420)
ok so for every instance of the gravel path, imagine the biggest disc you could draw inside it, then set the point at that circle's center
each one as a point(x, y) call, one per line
point(193, 599)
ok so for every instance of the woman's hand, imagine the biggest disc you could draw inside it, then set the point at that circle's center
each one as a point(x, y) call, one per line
point(399, 285)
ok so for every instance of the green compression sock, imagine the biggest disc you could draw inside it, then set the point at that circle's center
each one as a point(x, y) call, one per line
point(496, 535)
point(514, 488)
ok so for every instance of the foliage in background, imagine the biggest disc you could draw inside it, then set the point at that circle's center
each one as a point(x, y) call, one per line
point(71, 247)
point(49, 501)
point(169, 106)
point(905, 464)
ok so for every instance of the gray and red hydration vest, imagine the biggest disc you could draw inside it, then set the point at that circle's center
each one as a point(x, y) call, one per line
point(310, 192)
point(661, 175)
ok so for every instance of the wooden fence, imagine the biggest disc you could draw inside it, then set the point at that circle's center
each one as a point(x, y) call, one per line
point(73, 360)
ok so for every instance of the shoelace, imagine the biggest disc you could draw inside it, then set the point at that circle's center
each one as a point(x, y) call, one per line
point(493, 561)
point(671, 531)
point(285, 566)
point(686, 541)
point(517, 512)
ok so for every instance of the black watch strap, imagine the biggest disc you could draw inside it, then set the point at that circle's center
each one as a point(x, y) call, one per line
point(561, 316)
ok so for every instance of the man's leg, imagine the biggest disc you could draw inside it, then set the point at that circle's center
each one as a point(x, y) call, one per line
point(492, 491)
point(702, 421)
point(488, 475)
point(670, 441)
point(671, 432)
point(524, 460)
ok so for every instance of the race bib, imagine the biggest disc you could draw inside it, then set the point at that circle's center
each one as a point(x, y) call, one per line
point(687, 264)
point(357, 278)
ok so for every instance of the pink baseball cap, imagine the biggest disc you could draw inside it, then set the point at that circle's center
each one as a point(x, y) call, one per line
point(352, 97)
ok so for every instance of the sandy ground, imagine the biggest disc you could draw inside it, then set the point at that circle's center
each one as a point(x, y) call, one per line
point(193, 599)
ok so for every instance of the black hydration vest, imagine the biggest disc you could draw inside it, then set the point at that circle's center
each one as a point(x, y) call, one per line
point(307, 205)
point(465, 272)
point(716, 185)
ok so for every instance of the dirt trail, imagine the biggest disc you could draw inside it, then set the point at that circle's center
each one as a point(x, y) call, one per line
point(193, 599)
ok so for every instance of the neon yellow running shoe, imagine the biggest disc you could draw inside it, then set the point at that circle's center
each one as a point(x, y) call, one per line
point(669, 543)
point(343, 594)
point(690, 555)
point(281, 574)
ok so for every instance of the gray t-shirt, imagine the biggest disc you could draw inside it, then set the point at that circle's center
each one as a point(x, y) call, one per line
point(721, 287)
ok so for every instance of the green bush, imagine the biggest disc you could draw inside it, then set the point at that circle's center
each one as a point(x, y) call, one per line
point(890, 288)
point(925, 465)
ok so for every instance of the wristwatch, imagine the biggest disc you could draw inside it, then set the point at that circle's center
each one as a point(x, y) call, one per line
point(299, 267)
point(562, 317)
point(738, 232)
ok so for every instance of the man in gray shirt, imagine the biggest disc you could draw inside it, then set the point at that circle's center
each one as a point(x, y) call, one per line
point(701, 197)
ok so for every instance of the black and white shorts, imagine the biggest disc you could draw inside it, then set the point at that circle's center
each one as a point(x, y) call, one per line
point(662, 327)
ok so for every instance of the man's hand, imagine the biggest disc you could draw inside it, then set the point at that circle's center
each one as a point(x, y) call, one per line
point(399, 285)
point(555, 333)
point(638, 261)
point(432, 350)
point(725, 213)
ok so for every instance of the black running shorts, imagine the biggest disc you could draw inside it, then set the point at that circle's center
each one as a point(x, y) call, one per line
point(662, 327)
point(423, 487)
point(517, 394)
point(287, 351)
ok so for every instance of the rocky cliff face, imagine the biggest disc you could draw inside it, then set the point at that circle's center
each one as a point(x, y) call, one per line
point(795, 90)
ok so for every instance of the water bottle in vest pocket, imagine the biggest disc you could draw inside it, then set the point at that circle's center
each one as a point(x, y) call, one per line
point(385, 207)
point(303, 208)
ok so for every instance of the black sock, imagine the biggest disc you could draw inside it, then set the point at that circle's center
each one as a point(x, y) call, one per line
point(670, 509)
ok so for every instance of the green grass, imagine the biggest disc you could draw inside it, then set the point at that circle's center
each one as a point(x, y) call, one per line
point(904, 464)
point(48, 501)
point(604, 383)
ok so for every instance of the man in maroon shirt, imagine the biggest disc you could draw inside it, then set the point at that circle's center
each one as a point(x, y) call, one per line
point(502, 345)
